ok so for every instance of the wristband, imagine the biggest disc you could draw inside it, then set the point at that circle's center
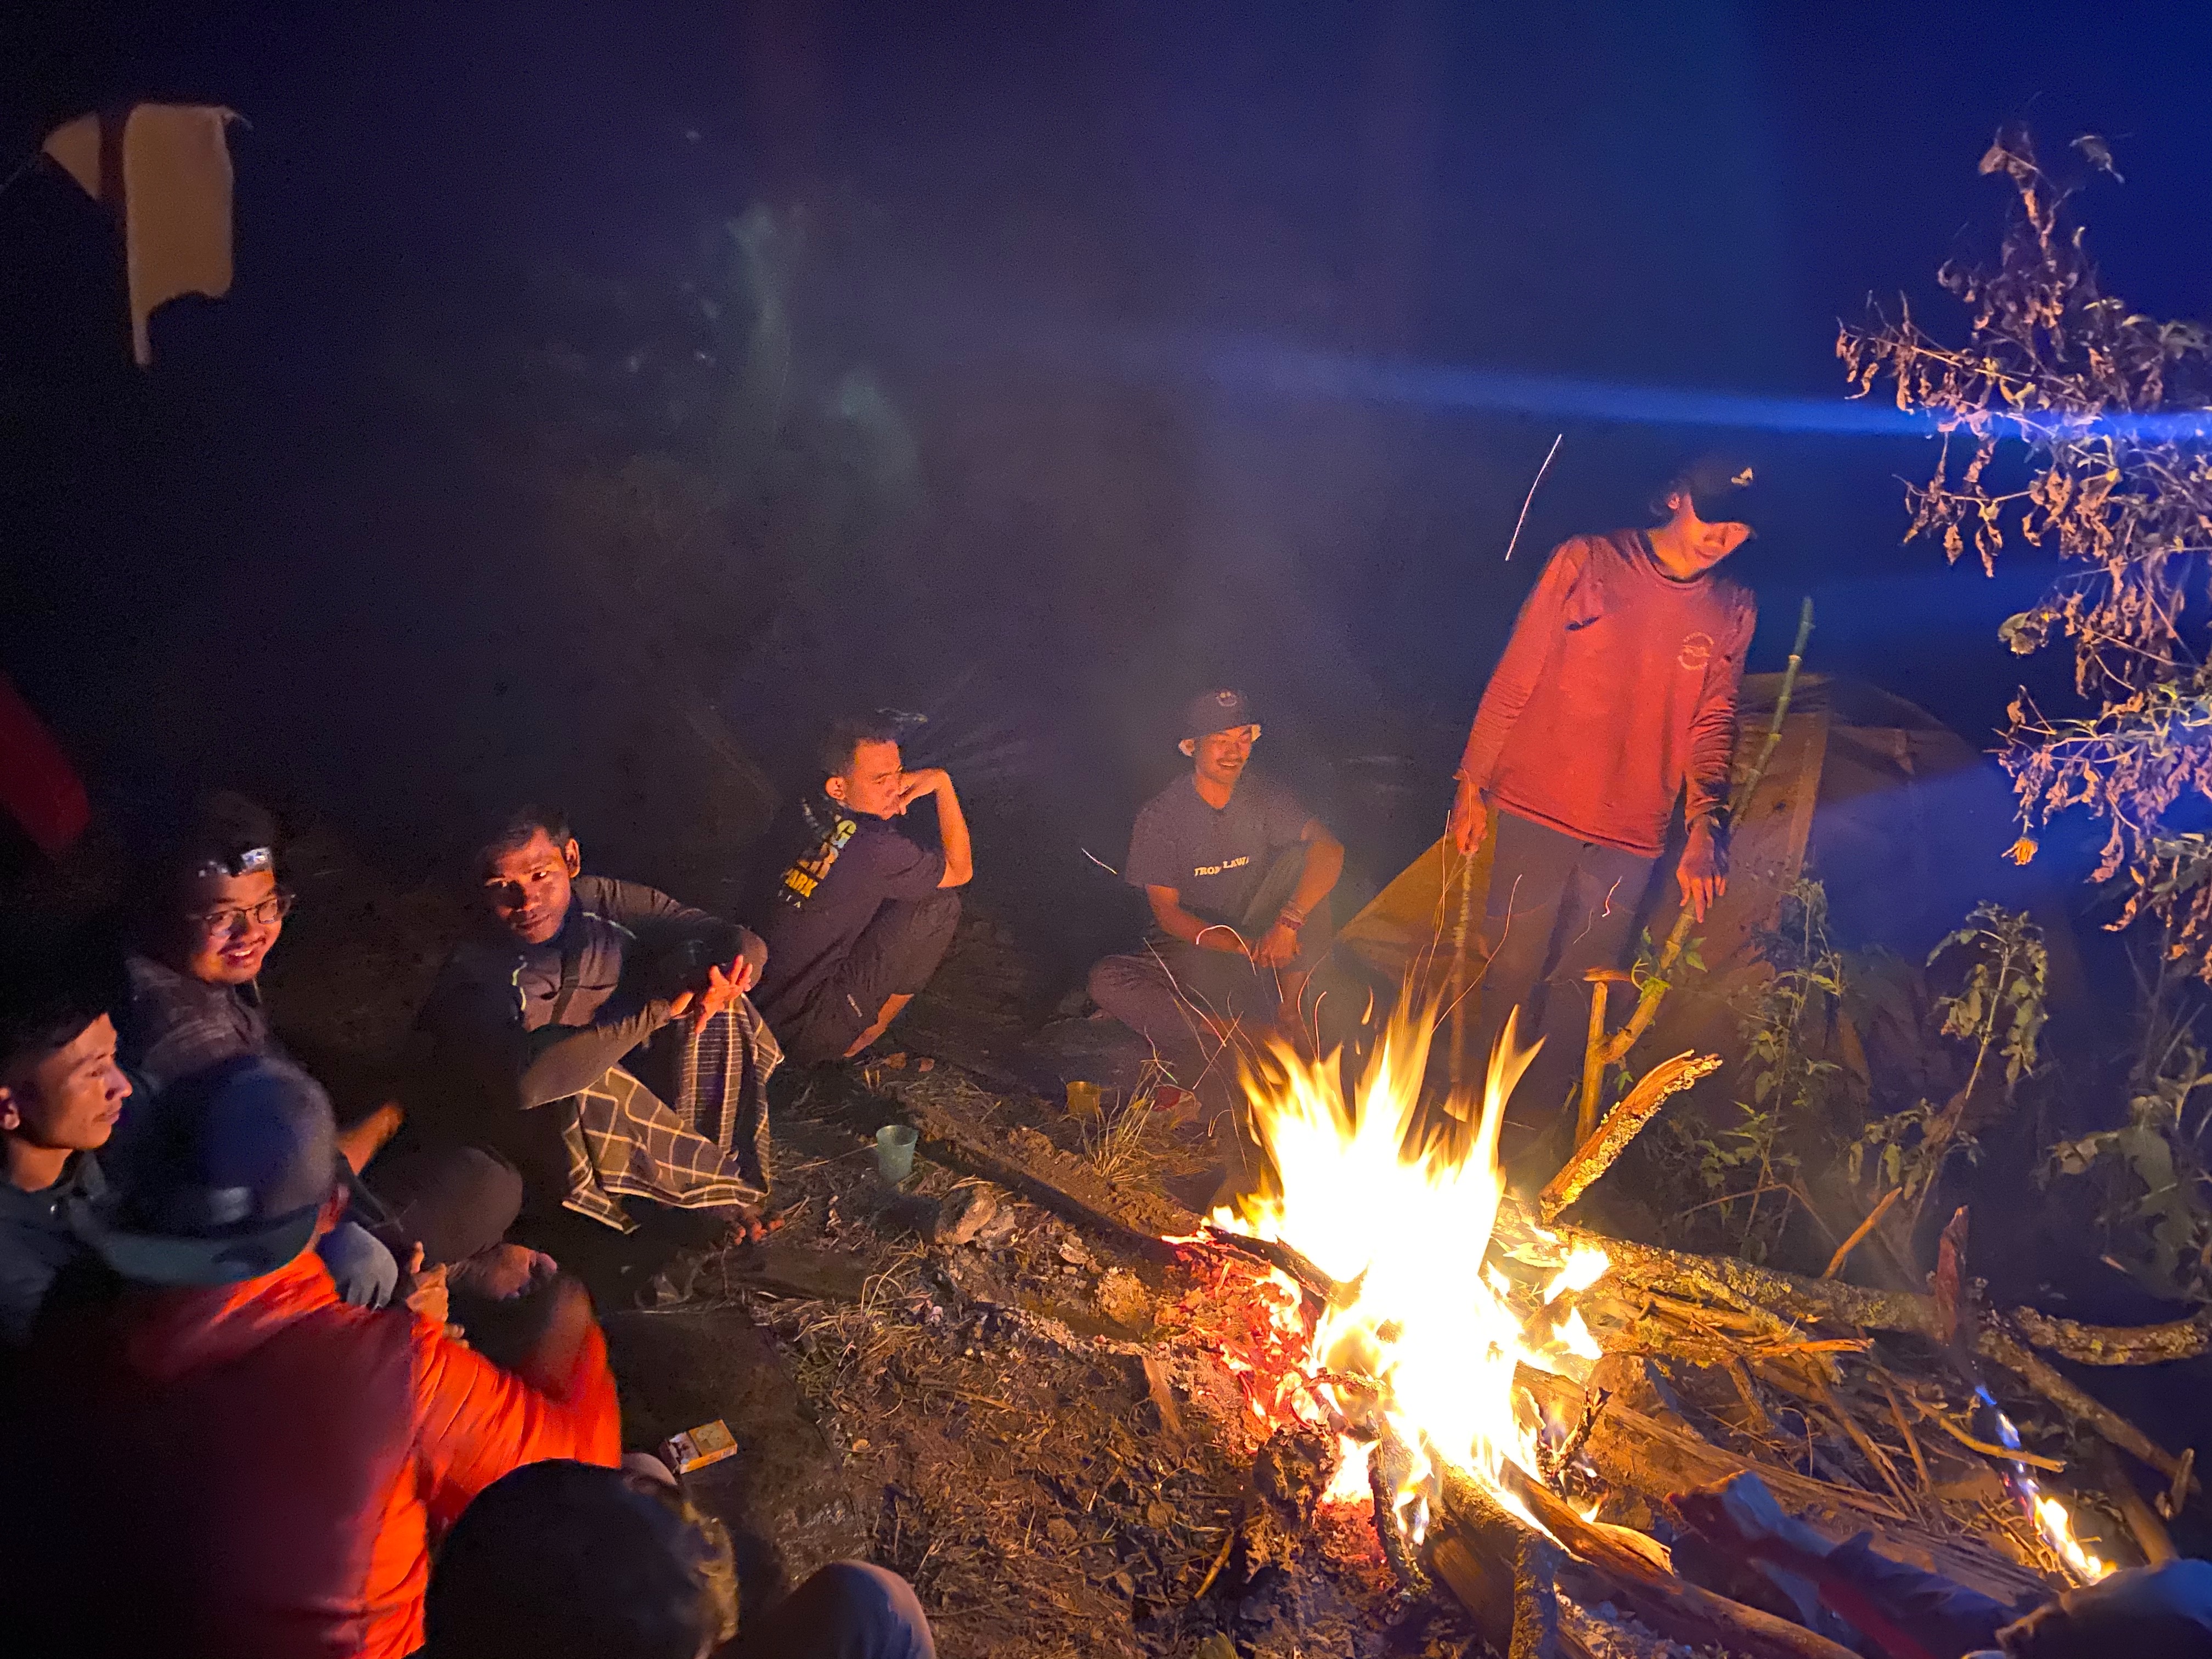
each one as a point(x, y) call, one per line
point(1291, 918)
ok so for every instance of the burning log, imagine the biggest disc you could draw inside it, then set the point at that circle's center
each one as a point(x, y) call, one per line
point(1598, 1151)
point(1502, 1572)
point(1311, 1279)
point(1670, 1604)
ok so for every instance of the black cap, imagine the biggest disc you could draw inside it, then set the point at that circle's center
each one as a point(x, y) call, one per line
point(227, 1185)
point(1721, 485)
point(1215, 711)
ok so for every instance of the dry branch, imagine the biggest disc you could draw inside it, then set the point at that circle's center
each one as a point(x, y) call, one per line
point(1622, 1124)
point(1634, 1454)
point(2114, 1345)
point(1858, 1233)
point(1790, 1300)
point(1994, 1341)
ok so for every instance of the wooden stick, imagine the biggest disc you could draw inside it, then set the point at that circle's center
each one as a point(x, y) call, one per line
point(1502, 1572)
point(2033, 1460)
point(1656, 986)
point(2170, 1502)
point(1858, 1233)
point(1456, 1061)
point(1912, 1441)
point(1868, 1448)
point(1622, 1124)
point(2150, 1533)
point(1594, 1052)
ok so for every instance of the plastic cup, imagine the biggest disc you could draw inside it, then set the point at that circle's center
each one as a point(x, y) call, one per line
point(894, 1152)
point(1083, 1101)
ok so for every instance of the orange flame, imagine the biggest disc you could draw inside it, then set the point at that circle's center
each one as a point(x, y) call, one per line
point(1407, 1223)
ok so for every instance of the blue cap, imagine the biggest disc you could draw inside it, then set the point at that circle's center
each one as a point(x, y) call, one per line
point(1215, 711)
point(228, 1180)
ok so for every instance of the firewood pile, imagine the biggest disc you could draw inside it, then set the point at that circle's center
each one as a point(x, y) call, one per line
point(1098, 1427)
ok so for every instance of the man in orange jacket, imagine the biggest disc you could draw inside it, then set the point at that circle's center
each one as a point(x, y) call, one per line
point(216, 1456)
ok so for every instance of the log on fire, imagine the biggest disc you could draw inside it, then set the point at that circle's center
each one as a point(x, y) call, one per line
point(1467, 1532)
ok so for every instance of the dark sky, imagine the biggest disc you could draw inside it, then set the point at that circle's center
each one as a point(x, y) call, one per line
point(1086, 197)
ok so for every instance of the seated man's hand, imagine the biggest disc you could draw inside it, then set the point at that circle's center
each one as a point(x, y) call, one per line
point(721, 990)
point(428, 1297)
point(1278, 947)
point(913, 785)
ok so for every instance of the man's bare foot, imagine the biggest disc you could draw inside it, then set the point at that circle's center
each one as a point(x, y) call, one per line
point(502, 1272)
point(750, 1225)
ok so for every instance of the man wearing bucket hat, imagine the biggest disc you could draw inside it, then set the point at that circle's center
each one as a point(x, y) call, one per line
point(1238, 876)
point(1616, 698)
point(267, 1463)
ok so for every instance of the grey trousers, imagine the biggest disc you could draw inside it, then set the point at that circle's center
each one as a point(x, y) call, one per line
point(849, 1610)
point(1168, 992)
point(1558, 908)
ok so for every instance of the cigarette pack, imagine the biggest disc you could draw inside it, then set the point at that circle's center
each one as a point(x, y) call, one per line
point(710, 1443)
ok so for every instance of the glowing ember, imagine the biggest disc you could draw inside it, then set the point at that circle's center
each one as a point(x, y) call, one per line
point(1427, 1338)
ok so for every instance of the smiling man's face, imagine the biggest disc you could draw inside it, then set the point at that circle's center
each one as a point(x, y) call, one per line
point(231, 922)
point(527, 887)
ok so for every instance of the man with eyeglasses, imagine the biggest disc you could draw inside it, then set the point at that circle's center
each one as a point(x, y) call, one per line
point(1238, 876)
point(211, 913)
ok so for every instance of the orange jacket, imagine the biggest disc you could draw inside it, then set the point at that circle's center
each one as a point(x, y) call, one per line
point(266, 1466)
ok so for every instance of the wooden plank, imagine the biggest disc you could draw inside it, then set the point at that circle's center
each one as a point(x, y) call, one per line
point(1024, 1160)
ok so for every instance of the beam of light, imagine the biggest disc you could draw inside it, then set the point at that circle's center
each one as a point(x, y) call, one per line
point(1250, 365)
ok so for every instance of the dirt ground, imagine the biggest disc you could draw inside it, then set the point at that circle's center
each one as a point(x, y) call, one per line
point(1037, 1431)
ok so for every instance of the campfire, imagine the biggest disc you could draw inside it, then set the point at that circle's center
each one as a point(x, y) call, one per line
point(1413, 1361)
point(1450, 1344)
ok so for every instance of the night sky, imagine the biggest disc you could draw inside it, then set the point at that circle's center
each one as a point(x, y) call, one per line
point(1091, 255)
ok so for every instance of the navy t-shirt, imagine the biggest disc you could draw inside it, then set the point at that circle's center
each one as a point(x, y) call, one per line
point(1214, 858)
point(848, 865)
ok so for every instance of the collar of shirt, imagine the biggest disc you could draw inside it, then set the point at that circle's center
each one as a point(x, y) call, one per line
point(81, 1178)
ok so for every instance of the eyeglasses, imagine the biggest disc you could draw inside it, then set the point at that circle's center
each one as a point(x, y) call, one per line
point(267, 913)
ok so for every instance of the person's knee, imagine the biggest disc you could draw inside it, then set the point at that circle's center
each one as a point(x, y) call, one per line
point(876, 1608)
point(941, 909)
point(1120, 986)
point(492, 1188)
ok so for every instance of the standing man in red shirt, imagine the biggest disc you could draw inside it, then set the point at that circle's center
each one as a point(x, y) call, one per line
point(1616, 693)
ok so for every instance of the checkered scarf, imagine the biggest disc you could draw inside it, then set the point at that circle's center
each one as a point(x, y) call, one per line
point(709, 1149)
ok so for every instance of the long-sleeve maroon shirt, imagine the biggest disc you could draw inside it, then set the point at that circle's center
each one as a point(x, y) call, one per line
point(1618, 687)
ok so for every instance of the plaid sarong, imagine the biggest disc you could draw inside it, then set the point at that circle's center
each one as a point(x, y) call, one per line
point(707, 1148)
